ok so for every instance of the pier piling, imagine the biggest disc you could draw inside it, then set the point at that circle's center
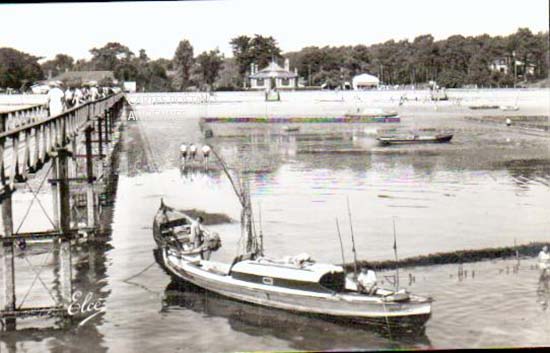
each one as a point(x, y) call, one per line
point(65, 224)
point(8, 257)
point(90, 196)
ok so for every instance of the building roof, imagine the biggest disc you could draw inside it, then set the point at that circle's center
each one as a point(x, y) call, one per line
point(275, 71)
point(84, 76)
point(365, 78)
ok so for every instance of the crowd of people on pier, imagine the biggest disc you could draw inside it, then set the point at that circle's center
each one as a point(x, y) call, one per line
point(61, 99)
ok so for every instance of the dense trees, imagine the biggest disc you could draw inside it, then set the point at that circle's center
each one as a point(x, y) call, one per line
point(259, 50)
point(18, 69)
point(60, 63)
point(452, 62)
point(208, 67)
point(183, 62)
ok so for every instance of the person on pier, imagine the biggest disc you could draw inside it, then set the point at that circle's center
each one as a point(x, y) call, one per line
point(78, 97)
point(56, 99)
point(69, 97)
point(94, 92)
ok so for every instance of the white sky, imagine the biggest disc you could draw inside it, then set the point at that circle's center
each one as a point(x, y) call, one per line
point(157, 27)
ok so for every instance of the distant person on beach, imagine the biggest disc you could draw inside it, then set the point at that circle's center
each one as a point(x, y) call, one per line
point(183, 151)
point(196, 232)
point(56, 99)
point(206, 152)
point(192, 151)
point(544, 259)
point(366, 281)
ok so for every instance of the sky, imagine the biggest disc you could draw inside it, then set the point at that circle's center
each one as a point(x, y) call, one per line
point(47, 29)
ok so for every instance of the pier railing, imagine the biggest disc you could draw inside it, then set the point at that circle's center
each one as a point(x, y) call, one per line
point(23, 116)
point(28, 137)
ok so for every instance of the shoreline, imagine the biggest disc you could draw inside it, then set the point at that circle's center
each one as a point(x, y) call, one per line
point(455, 257)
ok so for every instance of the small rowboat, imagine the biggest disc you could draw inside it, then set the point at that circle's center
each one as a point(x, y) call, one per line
point(509, 108)
point(414, 139)
point(172, 228)
point(287, 128)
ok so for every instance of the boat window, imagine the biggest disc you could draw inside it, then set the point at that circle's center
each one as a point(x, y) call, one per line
point(335, 281)
point(267, 280)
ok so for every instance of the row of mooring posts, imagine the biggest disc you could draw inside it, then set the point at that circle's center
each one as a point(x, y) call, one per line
point(97, 121)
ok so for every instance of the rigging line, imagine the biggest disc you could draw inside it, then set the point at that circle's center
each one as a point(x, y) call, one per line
point(35, 197)
point(387, 320)
point(139, 273)
point(226, 170)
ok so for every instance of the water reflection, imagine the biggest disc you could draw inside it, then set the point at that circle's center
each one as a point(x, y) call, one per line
point(543, 292)
point(63, 334)
point(302, 332)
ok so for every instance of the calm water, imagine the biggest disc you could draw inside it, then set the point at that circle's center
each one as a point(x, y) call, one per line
point(489, 187)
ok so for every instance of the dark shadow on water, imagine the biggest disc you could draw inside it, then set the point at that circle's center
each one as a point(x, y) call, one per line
point(543, 290)
point(303, 332)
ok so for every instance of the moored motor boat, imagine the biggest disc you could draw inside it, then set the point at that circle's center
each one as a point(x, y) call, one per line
point(297, 283)
point(305, 287)
point(413, 139)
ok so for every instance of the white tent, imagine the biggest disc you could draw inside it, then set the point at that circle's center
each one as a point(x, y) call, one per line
point(365, 81)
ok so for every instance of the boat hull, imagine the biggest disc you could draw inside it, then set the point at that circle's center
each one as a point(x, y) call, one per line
point(412, 141)
point(404, 315)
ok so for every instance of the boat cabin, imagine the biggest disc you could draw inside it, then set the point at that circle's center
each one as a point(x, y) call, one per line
point(321, 278)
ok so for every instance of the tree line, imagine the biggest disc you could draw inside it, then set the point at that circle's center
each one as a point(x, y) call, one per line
point(453, 62)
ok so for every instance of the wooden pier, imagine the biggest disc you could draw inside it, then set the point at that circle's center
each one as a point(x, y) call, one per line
point(32, 144)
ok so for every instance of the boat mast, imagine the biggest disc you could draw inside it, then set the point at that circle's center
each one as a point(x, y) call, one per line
point(261, 230)
point(396, 259)
point(352, 240)
point(341, 244)
point(247, 230)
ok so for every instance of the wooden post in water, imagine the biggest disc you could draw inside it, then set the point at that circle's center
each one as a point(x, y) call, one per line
point(65, 225)
point(90, 197)
point(106, 118)
point(55, 193)
point(100, 137)
point(8, 257)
